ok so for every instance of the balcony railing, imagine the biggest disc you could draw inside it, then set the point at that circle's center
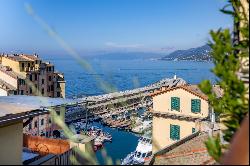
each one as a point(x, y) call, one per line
point(61, 159)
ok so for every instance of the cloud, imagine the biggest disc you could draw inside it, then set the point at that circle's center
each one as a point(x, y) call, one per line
point(168, 48)
point(115, 45)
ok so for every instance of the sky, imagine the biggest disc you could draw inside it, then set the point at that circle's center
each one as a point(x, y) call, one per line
point(109, 25)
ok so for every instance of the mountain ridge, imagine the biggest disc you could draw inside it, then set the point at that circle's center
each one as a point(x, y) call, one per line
point(201, 53)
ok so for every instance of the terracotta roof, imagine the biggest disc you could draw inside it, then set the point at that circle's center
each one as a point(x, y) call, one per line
point(19, 58)
point(31, 57)
point(194, 89)
point(191, 152)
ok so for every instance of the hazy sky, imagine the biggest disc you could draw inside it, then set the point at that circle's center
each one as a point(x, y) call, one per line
point(96, 25)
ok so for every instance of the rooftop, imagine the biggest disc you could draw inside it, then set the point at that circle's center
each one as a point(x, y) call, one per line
point(188, 152)
point(21, 106)
point(8, 71)
point(6, 86)
point(32, 57)
point(21, 57)
point(194, 89)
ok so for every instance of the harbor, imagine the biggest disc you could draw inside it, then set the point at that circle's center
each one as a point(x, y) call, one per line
point(119, 140)
point(105, 117)
point(118, 103)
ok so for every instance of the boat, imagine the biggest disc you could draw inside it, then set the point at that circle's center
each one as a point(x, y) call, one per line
point(143, 150)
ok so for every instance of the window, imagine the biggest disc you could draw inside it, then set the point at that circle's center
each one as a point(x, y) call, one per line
point(42, 91)
point(30, 126)
point(42, 81)
point(58, 85)
point(52, 87)
point(22, 92)
point(22, 67)
point(30, 77)
point(35, 124)
point(22, 82)
point(58, 94)
point(48, 88)
point(193, 130)
point(195, 105)
point(175, 103)
point(174, 132)
point(35, 77)
point(42, 122)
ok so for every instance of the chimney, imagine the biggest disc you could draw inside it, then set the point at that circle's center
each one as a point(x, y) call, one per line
point(175, 77)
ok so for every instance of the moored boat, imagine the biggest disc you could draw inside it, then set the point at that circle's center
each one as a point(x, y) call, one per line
point(143, 150)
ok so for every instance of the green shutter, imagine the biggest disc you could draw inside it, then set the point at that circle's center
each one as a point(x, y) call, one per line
point(195, 105)
point(175, 103)
point(193, 130)
point(174, 132)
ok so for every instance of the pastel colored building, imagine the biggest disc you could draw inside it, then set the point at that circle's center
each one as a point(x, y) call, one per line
point(177, 113)
point(28, 75)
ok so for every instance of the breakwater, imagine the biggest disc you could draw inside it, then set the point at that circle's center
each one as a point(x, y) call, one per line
point(119, 103)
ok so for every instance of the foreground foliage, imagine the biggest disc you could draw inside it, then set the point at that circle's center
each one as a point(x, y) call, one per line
point(228, 52)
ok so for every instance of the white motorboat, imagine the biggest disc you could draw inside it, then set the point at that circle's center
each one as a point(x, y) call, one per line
point(143, 150)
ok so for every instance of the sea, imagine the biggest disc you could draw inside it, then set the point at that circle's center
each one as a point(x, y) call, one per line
point(85, 78)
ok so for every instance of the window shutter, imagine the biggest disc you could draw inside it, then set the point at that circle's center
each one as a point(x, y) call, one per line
point(175, 103)
point(198, 105)
point(174, 132)
point(177, 132)
point(195, 105)
point(193, 130)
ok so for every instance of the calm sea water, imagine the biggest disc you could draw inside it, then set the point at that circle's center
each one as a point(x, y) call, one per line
point(125, 74)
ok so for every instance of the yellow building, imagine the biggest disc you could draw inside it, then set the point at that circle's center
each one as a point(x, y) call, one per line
point(30, 76)
point(177, 113)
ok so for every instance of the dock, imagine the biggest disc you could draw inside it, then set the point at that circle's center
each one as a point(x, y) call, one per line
point(119, 103)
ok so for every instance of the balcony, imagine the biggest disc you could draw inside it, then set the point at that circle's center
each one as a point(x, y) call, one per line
point(57, 151)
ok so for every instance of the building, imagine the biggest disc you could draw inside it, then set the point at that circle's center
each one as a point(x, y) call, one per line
point(28, 75)
point(16, 112)
point(8, 81)
point(11, 130)
point(41, 125)
point(178, 112)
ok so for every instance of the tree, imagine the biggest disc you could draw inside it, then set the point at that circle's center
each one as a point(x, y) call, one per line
point(228, 52)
